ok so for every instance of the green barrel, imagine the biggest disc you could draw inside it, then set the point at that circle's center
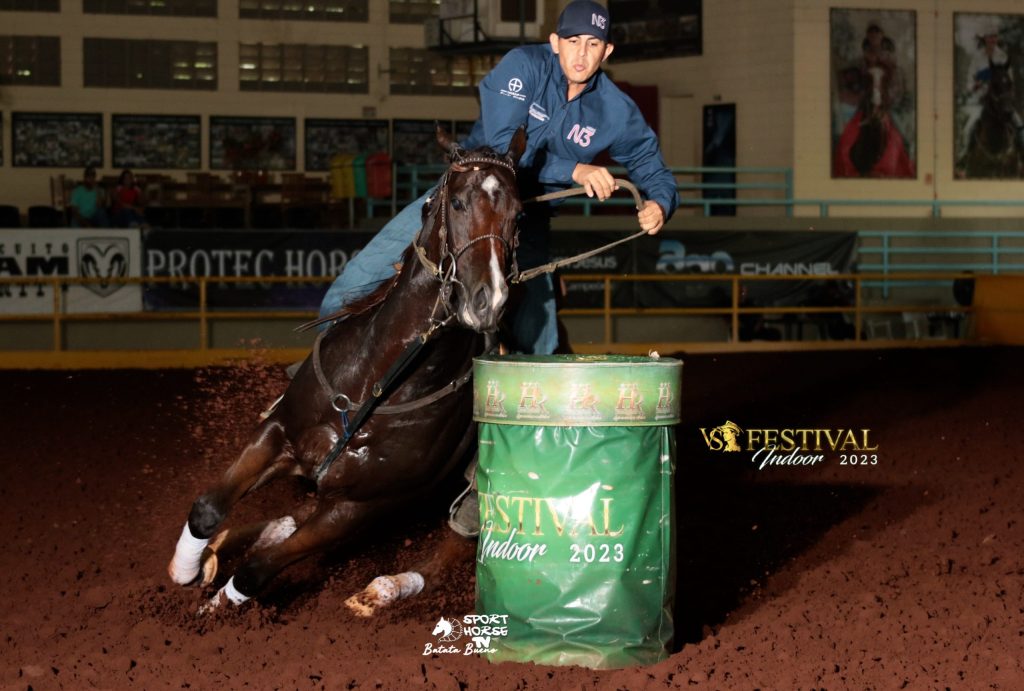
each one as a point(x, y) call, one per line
point(577, 455)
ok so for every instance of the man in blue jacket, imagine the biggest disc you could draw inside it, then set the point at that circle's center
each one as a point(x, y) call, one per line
point(572, 112)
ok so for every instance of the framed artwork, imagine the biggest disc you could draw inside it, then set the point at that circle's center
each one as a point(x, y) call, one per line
point(156, 141)
point(874, 93)
point(652, 29)
point(240, 143)
point(327, 138)
point(57, 140)
point(988, 96)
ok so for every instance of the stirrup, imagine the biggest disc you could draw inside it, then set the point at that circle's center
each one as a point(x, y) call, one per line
point(460, 513)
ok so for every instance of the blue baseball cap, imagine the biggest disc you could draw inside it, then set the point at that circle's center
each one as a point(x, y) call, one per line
point(584, 18)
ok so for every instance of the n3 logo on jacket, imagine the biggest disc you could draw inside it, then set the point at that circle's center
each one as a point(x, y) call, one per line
point(581, 135)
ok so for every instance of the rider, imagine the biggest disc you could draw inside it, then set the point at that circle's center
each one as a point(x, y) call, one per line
point(979, 73)
point(573, 112)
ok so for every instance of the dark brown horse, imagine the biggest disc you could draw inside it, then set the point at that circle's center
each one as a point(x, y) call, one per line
point(450, 290)
point(994, 150)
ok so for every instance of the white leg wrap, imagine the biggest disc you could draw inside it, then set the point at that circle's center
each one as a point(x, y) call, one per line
point(233, 596)
point(184, 566)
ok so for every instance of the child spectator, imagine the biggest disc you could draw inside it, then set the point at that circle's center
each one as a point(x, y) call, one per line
point(128, 202)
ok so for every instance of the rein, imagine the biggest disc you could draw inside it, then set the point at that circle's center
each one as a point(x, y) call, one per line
point(552, 266)
point(447, 276)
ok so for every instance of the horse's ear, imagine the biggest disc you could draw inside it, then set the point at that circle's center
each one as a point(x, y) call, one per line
point(518, 144)
point(444, 139)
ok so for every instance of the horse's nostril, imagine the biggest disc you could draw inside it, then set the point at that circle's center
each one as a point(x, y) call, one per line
point(482, 298)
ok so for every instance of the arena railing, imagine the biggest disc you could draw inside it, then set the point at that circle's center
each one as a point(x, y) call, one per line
point(411, 181)
point(888, 251)
point(859, 314)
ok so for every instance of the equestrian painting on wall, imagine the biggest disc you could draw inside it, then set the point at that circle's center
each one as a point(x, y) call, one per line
point(988, 96)
point(874, 93)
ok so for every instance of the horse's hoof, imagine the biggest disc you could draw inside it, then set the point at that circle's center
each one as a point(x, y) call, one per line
point(212, 605)
point(383, 591)
point(209, 569)
point(227, 594)
point(208, 562)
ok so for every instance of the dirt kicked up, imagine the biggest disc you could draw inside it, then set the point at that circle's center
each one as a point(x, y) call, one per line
point(903, 573)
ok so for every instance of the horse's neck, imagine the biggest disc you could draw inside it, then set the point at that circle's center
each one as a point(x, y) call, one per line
point(406, 314)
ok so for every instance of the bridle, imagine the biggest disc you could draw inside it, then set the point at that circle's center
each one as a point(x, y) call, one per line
point(445, 269)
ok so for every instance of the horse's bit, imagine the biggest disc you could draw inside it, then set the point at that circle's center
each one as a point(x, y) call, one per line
point(446, 273)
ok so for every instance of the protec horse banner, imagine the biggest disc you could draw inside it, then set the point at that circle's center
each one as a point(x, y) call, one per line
point(246, 254)
point(575, 480)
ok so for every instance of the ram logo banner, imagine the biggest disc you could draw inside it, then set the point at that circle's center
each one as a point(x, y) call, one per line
point(104, 259)
point(63, 253)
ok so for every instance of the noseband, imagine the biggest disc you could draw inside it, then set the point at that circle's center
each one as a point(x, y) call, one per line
point(446, 268)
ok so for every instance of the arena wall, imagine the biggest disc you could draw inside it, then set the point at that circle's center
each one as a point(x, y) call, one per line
point(770, 59)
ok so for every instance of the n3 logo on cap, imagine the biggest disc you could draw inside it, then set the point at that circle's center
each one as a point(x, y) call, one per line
point(598, 21)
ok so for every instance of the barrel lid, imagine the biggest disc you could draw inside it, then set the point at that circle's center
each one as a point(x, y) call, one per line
point(577, 390)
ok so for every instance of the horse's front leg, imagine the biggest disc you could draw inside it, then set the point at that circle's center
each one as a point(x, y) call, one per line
point(333, 522)
point(265, 456)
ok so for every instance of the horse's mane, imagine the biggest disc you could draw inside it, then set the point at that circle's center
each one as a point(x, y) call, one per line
point(380, 294)
point(360, 305)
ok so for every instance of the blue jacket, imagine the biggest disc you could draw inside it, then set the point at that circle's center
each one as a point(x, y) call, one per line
point(528, 87)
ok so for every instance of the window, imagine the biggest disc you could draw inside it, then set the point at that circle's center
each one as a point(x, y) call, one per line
point(180, 8)
point(30, 5)
point(146, 64)
point(420, 71)
point(413, 11)
point(294, 67)
point(313, 10)
point(30, 60)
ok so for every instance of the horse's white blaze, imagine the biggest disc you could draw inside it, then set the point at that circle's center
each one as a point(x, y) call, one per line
point(499, 289)
point(490, 185)
point(184, 566)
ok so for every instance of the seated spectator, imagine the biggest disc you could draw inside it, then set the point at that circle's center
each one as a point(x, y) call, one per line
point(88, 203)
point(128, 202)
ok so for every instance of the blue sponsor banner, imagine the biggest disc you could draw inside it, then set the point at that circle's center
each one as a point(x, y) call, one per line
point(255, 254)
point(243, 254)
point(708, 253)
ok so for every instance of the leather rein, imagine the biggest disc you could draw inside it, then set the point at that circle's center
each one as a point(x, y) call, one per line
point(445, 270)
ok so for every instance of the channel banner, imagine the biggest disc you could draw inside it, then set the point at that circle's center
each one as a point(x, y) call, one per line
point(708, 253)
point(100, 254)
point(246, 254)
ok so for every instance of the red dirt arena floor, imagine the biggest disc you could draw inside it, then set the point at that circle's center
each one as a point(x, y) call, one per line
point(905, 574)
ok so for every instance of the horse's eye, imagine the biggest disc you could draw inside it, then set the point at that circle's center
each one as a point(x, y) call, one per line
point(457, 204)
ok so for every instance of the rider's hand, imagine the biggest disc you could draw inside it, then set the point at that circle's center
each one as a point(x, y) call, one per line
point(651, 217)
point(595, 179)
